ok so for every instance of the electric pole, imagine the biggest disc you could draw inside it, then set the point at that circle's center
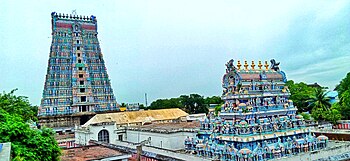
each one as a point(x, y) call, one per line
point(146, 99)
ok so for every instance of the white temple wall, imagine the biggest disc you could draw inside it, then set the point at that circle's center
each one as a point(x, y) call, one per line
point(82, 136)
point(170, 141)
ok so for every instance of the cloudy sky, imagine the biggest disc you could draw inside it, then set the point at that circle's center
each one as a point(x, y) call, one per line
point(168, 48)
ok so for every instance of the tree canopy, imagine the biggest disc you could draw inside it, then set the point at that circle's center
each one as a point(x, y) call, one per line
point(314, 100)
point(300, 93)
point(319, 103)
point(27, 143)
point(18, 105)
point(343, 89)
point(193, 103)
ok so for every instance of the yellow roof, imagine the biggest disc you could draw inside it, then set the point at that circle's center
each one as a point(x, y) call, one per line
point(137, 116)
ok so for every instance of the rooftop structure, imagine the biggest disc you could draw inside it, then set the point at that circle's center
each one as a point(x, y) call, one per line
point(333, 95)
point(93, 152)
point(77, 83)
point(258, 121)
point(136, 117)
point(112, 127)
point(196, 117)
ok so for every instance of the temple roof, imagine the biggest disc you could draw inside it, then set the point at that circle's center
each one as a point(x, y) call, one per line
point(137, 116)
point(261, 71)
point(256, 75)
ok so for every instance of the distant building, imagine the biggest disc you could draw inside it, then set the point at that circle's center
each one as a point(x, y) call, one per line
point(65, 138)
point(133, 106)
point(196, 117)
point(343, 124)
point(111, 127)
point(315, 85)
point(333, 95)
point(5, 151)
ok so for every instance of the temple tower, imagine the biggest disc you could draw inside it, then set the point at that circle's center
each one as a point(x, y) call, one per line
point(77, 84)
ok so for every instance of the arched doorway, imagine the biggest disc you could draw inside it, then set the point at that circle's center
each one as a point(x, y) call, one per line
point(103, 136)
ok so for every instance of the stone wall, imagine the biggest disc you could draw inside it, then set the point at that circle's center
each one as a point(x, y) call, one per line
point(61, 120)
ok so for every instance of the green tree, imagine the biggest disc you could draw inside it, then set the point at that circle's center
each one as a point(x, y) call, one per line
point(306, 116)
point(333, 115)
point(300, 93)
point(217, 110)
point(213, 100)
point(166, 103)
point(142, 106)
point(18, 105)
point(27, 144)
point(344, 85)
point(343, 89)
point(194, 103)
point(319, 103)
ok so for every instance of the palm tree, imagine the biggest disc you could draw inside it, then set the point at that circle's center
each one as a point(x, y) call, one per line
point(319, 101)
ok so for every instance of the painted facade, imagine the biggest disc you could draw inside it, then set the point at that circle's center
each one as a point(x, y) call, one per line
point(76, 81)
point(258, 121)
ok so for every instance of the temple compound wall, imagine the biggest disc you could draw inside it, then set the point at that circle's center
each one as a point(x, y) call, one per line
point(335, 151)
point(76, 84)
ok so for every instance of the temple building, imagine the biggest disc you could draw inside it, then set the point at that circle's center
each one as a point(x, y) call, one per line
point(163, 128)
point(258, 121)
point(77, 84)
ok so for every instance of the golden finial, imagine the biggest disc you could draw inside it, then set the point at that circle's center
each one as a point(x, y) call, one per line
point(253, 65)
point(266, 65)
point(260, 65)
point(246, 65)
point(239, 65)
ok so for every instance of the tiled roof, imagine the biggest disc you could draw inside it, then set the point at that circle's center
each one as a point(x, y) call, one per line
point(89, 153)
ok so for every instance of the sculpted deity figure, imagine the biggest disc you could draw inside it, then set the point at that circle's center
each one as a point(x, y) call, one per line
point(275, 127)
point(230, 66)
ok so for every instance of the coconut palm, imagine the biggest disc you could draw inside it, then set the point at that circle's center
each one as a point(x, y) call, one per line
point(319, 101)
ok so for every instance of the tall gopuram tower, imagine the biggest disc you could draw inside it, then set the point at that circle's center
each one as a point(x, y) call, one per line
point(77, 84)
point(258, 121)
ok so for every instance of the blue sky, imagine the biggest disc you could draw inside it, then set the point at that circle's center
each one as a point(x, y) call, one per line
point(168, 48)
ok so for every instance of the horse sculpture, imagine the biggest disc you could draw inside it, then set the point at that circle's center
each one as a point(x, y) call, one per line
point(274, 65)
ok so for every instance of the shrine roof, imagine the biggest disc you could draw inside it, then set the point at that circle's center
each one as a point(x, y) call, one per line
point(256, 74)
